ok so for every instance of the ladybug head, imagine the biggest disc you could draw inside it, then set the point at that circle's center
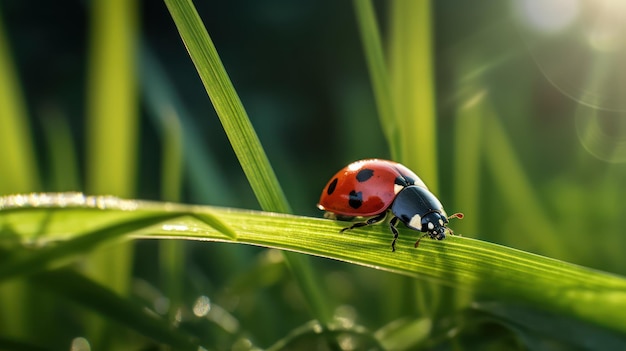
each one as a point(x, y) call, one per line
point(434, 224)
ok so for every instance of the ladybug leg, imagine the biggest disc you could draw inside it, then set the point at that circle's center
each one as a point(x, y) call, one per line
point(452, 232)
point(370, 221)
point(394, 230)
point(417, 243)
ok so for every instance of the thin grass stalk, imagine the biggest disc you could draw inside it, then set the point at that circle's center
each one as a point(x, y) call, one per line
point(244, 141)
point(413, 88)
point(381, 86)
point(64, 170)
point(18, 168)
point(112, 134)
point(515, 187)
point(18, 173)
point(172, 252)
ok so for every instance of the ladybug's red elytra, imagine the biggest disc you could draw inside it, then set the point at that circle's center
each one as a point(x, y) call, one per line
point(373, 187)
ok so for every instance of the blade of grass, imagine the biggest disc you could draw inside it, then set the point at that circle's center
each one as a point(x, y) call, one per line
point(497, 271)
point(228, 106)
point(18, 173)
point(413, 87)
point(112, 123)
point(112, 99)
point(514, 185)
point(370, 36)
point(467, 170)
point(24, 263)
point(467, 160)
point(17, 158)
point(62, 152)
point(244, 140)
point(411, 93)
point(172, 164)
point(172, 253)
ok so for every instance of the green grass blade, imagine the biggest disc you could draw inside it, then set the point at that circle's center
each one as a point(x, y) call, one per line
point(515, 187)
point(18, 173)
point(244, 140)
point(228, 106)
point(413, 86)
point(172, 167)
point(467, 160)
point(494, 270)
point(112, 133)
point(172, 253)
point(18, 169)
point(64, 170)
point(112, 111)
point(374, 55)
point(20, 263)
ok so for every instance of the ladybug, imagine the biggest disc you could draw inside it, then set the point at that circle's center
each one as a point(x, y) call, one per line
point(374, 187)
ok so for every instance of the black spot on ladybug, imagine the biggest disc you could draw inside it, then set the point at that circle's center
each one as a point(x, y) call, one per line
point(356, 199)
point(364, 175)
point(332, 186)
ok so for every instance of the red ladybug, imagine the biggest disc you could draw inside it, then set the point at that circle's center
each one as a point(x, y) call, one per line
point(373, 187)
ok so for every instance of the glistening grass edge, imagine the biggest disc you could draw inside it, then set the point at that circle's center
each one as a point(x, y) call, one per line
point(493, 270)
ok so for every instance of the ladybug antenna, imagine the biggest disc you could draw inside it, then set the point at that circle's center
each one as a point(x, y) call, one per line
point(458, 215)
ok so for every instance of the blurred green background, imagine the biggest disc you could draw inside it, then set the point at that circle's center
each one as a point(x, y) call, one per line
point(530, 138)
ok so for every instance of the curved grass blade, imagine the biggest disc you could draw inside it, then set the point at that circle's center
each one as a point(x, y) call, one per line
point(494, 270)
point(228, 106)
point(372, 44)
point(244, 140)
point(23, 263)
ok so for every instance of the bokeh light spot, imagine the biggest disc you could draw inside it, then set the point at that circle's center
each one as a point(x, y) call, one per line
point(80, 344)
point(548, 16)
point(202, 306)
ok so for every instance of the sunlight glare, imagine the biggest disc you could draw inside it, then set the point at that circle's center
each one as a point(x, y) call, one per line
point(548, 16)
point(607, 32)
